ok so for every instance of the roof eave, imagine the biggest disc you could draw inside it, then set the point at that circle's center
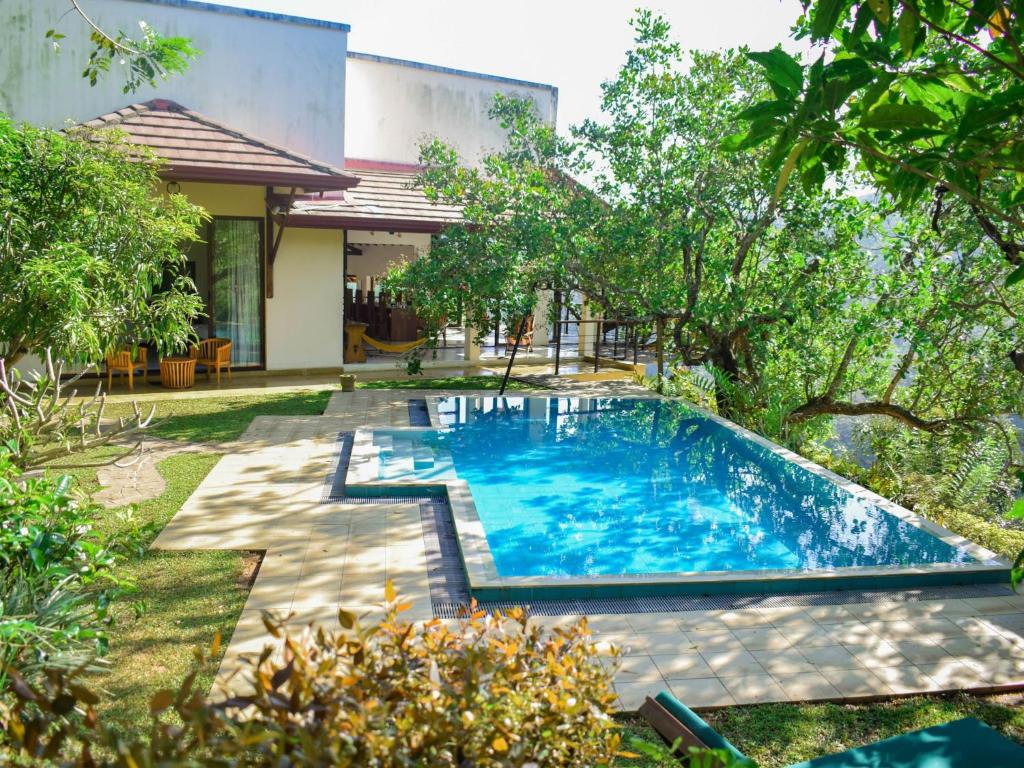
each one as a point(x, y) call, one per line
point(324, 221)
point(219, 174)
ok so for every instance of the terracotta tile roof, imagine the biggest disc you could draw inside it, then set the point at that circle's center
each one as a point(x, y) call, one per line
point(200, 149)
point(385, 198)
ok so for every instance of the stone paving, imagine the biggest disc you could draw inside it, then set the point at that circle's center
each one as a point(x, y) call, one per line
point(265, 495)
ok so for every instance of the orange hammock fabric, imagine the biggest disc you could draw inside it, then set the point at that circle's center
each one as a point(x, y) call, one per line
point(385, 346)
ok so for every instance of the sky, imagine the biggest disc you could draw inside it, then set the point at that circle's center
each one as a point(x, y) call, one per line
point(571, 44)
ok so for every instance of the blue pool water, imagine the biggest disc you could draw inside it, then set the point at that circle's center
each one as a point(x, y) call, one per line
point(581, 487)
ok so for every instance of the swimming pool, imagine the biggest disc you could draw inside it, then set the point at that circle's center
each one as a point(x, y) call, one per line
point(577, 491)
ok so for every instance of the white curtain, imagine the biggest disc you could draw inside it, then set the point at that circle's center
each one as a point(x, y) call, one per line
point(236, 287)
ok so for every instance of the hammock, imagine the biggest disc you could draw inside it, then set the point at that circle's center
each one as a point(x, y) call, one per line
point(403, 346)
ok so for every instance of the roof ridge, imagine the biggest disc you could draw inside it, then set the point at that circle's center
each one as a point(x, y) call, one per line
point(169, 105)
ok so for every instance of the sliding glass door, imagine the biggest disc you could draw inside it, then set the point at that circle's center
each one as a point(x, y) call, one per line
point(236, 287)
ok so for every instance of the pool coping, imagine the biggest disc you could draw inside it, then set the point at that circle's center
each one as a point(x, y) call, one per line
point(486, 584)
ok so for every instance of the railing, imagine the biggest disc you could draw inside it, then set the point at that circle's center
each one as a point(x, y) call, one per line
point(388, 318)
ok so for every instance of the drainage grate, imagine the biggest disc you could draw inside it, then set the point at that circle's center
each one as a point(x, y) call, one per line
point(334, 484)
point(419, 416)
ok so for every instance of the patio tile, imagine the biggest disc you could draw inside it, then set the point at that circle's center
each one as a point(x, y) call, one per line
point(938, 628)
point(829, 614)
point(952, 674)
point(637, 668)
point(702, 621)
point(737, 662)
point(761, 639)
point(701, 692)
point(666, 643)
point(754, 689)
point(713, 641)
point(787, 661)
point(787, 616)
point(905, 679)
point(831, 657)
point(633, 694)
point(851, 632)
point(682, 666)
point(920, 651)
point(807, 686)
point(644, 623)
point(986, 605)
point(975, 626)
point(900, 629)
point(856, 682)
point(879, 653)
point(743, 618)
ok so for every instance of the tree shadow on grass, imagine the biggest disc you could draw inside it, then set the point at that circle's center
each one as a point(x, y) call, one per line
point(783, 734)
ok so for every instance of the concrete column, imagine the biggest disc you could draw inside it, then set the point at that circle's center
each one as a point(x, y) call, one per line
point(587, 330)
point(472, 348)
point(541, 329)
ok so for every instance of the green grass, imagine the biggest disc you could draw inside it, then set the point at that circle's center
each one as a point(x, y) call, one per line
point(222, 419)
point(776, 735)
point(186, 597)
point(451, 382)
point(182, 599)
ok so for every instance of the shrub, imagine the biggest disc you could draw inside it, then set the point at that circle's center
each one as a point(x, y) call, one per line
point(494, 691)
point(56, 578)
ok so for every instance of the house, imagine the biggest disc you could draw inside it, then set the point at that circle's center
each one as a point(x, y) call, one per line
point(302, 151)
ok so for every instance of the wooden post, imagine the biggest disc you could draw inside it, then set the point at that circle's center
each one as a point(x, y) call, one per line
point(597, 345)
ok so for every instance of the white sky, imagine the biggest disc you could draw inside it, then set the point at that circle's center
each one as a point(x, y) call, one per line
point(572, 44)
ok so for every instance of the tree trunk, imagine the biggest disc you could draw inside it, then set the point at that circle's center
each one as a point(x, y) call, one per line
point(660, 331)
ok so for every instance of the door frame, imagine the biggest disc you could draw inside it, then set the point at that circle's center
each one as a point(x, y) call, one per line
point(261, 260)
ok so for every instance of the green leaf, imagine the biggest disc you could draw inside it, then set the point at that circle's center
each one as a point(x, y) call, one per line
point(776, 108)
point(1017, 510)
point(896, 116)
point(780, 68)
point(882, 10)
point(826, 16)
point(787, 169)
point(906, 29)
point(1017, 573)
point(1015, 277)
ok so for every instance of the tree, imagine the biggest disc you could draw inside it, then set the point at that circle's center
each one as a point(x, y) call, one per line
point(91, 257)
point(927, 94)
point(697, 236)
point(146, 59)
point(522, 212)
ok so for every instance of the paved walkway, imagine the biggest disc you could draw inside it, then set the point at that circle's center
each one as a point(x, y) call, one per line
point(265, 496)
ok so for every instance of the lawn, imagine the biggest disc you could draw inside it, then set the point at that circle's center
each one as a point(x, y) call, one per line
point(222, 419)
point(777, 735)
point(182, 599)
point(451, 382)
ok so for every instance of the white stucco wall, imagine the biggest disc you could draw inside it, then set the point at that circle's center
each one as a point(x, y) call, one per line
point(304, 319)
point(280, 80)
point(393, 105)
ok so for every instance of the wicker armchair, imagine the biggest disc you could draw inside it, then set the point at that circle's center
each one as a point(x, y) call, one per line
point(526, 340)
point(213, 354)
point(122, 362)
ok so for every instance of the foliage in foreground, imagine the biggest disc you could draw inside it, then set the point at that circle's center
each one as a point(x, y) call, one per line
point(494, 691)
point(56, 575)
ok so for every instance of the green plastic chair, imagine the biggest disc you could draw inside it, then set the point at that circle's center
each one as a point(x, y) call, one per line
point(967, 743)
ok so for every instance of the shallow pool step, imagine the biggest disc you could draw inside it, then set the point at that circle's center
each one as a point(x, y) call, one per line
point(422, 458)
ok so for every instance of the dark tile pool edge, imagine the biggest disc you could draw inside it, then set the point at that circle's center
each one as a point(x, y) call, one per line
point(450, 593)
point(739, 586)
